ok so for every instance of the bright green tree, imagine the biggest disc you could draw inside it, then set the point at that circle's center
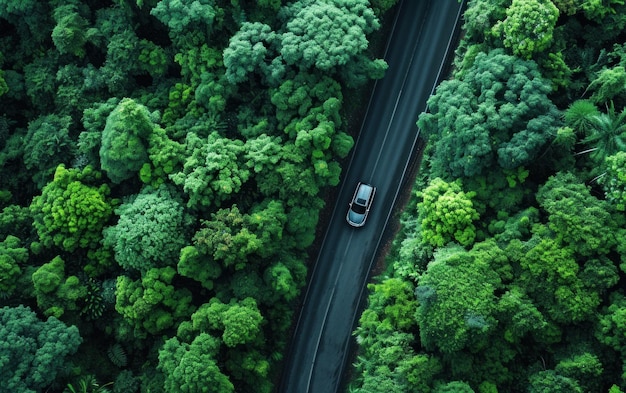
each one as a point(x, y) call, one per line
point(528, 27)
point(446, 214)
point(72, 210)
point(33, 351)
point(58, 293)
point(152, 304)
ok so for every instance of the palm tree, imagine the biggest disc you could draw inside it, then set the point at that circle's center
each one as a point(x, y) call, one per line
point(578, 116)
point(605, 131)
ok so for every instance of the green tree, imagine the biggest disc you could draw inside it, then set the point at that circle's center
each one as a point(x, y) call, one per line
point(520, 316)
point(498, 113)
point(480, 18)
point(263, 153)
point(12, 256)
point(585, 368)
point(580, 116)
point(70, 33)
point(227, 238)
point(57, 293)
point(550, 275)
point(577, 218)
point(453, 387)
point(528, 27)
point(94, 120)
point(193, 367)
point(249, 50)
point(446, 214)
point(152, 304)
point(124, 149)
point(150, 232)
point(614, 180)
point(198, 266)
point(182, 16)
point(612, 323)
point(456, 298)
point(72, 210)
point(46, 145)
point(33, 351)
point(237, 322)
point(609, 84)
point(549, 381)
point(327, 34)
point(267, 221)
point(213, 170)
point(165, 158)
point(608, 133)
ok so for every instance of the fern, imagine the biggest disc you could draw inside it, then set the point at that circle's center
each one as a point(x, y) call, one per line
point(117, 355)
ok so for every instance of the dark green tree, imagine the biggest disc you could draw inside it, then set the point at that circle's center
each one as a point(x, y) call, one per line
point(46, 145)
point(70, 33)
point(614, 180)
point(124, 140)
point(150, 232)
point(249, 50)
point(12, 257)
point(327, 34)
point(456, 298)
point(498, 113)
point(33, 351)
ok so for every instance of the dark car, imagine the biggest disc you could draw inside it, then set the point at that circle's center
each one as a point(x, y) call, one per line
point(360, 204)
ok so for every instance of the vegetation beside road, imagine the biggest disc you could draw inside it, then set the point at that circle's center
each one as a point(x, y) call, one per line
point(508, 272)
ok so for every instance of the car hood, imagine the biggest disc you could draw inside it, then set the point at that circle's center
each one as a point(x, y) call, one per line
point(355, 217)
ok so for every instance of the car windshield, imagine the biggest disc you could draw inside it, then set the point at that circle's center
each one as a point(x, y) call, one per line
point(357, 208)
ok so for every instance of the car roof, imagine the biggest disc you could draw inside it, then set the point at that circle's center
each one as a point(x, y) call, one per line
point(364, 192)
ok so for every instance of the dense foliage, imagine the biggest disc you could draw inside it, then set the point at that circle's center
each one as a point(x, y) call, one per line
point(508, 272)
point(163, 165)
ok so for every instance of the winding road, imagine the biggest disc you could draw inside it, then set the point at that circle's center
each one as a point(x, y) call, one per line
point(419, 47)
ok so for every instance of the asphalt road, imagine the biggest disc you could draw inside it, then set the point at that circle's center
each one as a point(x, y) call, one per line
point(416, 53)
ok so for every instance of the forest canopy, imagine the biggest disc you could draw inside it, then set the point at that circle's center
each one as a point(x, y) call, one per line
point(507, 273)
point(163, 168)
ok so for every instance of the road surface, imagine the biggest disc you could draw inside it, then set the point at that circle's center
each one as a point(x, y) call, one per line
point(421, 38)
